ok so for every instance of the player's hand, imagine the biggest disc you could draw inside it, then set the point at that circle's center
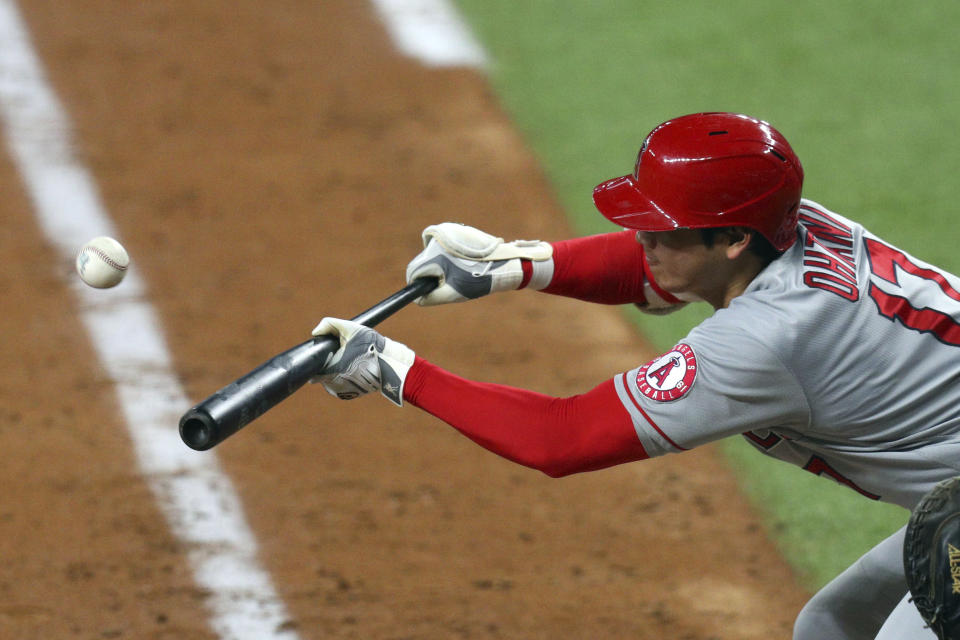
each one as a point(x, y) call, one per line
point(471, 263)
point(365, 362)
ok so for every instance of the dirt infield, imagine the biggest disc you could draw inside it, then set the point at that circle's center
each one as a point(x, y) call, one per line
point(267, 164)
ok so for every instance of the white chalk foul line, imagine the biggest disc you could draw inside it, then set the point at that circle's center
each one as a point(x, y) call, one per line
point(431, 31)
point(199, 502)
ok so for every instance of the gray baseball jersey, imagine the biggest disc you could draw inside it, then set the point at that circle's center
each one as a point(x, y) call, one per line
point(842, 357)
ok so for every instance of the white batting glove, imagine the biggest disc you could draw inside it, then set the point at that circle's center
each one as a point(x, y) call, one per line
point(365, 362)
point(471, 263)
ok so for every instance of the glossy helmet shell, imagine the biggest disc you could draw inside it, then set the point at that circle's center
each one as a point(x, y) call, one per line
point(709, 170)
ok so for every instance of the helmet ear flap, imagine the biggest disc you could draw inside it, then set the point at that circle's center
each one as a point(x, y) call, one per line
point(787, 232)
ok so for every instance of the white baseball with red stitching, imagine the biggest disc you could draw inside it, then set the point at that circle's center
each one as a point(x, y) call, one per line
point(102, 263)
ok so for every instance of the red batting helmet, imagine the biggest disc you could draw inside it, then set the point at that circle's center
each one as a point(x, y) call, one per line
point(709, 170)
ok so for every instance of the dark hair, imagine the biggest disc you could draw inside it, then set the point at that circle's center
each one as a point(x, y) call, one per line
point(759, 245)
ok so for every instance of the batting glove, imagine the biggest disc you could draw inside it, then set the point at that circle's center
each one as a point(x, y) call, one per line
point(471, 263)
point(365, 362)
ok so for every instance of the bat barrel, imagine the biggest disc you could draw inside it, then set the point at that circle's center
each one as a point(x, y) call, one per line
point(244, 400)
point(240, 402)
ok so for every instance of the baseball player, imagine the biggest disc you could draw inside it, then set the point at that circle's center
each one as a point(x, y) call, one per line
point(829, 348)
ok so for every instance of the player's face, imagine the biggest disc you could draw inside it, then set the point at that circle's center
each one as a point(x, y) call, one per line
point(683, 265)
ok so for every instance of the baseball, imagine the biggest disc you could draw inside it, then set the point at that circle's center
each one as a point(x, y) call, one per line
point(102, 262)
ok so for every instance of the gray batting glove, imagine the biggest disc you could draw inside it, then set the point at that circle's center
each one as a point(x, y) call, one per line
point(471, 263)
point(365, 362)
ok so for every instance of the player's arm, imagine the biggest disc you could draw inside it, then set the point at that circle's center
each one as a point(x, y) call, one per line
point(607, 268)
point(558, 436)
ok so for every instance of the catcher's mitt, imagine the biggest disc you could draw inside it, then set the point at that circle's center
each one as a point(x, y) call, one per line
point(931, 558)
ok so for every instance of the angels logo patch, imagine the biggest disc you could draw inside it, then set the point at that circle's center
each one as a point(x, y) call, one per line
point(670, 376)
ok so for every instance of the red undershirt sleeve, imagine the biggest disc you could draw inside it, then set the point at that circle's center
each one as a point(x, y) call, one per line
point(608, 268)
point(557, 436)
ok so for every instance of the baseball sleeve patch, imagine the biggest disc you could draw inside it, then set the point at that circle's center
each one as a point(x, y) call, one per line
point(670, 376)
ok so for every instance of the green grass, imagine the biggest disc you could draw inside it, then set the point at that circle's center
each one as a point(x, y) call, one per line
point(865, 92)
point(820, 526)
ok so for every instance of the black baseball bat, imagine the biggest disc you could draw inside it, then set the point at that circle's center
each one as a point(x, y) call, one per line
point(244, 400)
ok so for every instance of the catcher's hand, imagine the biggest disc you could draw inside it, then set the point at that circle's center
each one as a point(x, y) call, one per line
point(471, 263)
point(365, 362)
point(931, 558)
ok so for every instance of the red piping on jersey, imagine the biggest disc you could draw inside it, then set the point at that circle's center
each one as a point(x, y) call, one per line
point(557, 436)
point(765, 443)
point(653, 424)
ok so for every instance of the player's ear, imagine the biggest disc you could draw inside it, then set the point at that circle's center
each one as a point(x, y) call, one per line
point(738, 239)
